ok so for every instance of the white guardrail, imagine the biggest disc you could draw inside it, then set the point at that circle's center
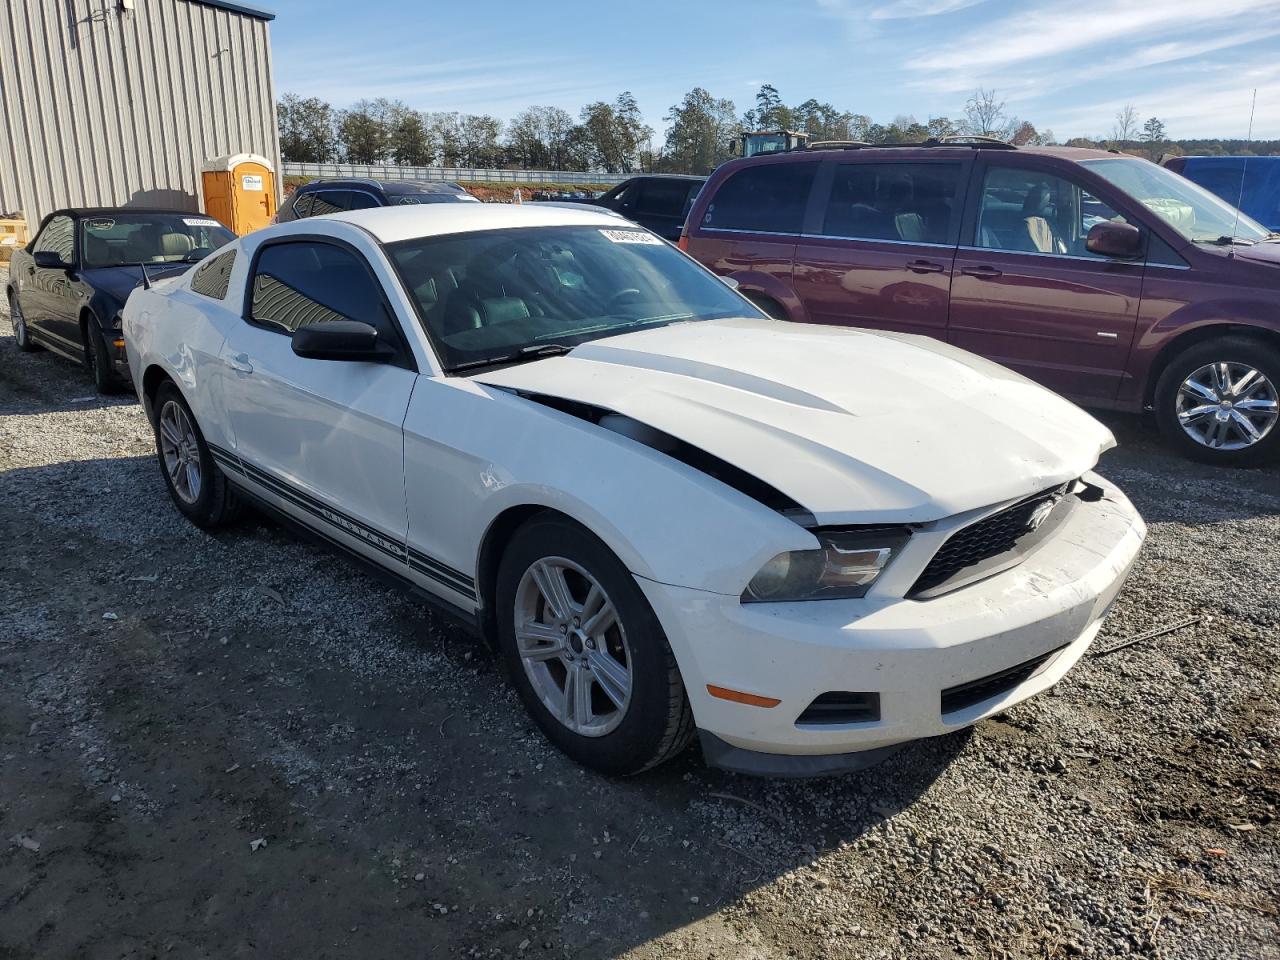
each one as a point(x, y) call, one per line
point(380, 171)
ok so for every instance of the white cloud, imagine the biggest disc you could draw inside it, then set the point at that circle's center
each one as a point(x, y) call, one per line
point(910, 9)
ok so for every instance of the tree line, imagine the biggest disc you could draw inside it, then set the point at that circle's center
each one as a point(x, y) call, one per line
point(702, 131)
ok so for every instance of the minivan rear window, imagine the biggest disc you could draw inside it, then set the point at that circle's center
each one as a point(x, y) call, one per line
point(767, 198)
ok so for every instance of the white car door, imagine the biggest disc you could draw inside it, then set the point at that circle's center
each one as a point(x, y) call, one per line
point(321, 439)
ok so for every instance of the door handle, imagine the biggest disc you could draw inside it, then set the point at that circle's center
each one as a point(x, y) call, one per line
point(924, 266)
point(240, 363)
point(982, 273)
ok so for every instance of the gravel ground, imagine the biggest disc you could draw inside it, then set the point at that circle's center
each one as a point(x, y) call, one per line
point(239, 745)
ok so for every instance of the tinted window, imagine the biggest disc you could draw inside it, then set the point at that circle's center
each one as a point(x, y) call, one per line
point(305, 283)
point(362, 201)
point(914, 202)
point(662, 198)
point(327, 201)
point(214, 276)
point(58, 236)
point(769, 198)
point(302, 205)
point(1035, 212)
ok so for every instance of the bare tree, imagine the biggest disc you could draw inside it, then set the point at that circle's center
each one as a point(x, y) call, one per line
point(984, 115)
point(1126, 126)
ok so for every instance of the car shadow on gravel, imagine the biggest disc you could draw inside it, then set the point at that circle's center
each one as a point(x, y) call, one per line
point(168, 698)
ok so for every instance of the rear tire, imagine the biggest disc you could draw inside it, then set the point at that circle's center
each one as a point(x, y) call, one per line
point(21, 335)
point(635, 714)
point(197, 486)
point(1216, 402)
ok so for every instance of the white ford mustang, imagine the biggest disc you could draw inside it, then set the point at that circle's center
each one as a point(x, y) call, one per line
point(667, 511)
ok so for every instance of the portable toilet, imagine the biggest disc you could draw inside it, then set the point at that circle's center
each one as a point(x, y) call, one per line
point(240, 191)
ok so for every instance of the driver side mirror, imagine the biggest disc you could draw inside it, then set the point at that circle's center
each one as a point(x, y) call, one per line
point(1122, 241)
point(48, 260)
point(341, 340)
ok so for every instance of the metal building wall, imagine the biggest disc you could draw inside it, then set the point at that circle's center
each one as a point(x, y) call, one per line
point(101, 105)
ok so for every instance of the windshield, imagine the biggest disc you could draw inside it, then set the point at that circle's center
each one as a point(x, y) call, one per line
point(124, 239)
point(1191, 210)
point(500, 296)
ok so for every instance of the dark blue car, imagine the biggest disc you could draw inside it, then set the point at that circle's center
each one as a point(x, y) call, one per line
point(1253, 183)
point(67, 286)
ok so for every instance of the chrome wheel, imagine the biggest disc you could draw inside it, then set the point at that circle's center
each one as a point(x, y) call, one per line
point(572, 646)
point(1227, 405)
point(180, 451)
point(19, 323)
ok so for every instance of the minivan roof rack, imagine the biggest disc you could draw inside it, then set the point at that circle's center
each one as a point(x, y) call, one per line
point(974, 142)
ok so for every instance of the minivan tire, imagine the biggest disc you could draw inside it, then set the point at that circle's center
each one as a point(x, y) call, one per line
point(1240, 352)
point(657, 722)
point(216, 503)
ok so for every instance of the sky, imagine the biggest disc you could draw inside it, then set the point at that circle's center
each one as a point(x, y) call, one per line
point(1065, 66)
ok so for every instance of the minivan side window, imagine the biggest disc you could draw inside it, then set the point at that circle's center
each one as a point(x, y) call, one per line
point(766, 198)
point(305, 283)
point(911, 202)
point(58, 236)
point(1030, 211)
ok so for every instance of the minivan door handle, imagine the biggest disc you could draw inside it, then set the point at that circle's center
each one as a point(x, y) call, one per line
point(924, 266)
point(982, 273)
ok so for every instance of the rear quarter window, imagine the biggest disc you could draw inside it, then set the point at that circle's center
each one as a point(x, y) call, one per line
point(213, 277)
point(768, 198)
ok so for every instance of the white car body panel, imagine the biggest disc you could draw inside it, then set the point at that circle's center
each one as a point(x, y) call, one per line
point(412, 469)
point(851, 424)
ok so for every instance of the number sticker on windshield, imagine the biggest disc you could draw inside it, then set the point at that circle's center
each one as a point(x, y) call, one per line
point(200, 222)
point(632, 236)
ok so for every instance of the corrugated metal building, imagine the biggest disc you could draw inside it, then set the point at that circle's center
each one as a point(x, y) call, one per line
point(115, 102)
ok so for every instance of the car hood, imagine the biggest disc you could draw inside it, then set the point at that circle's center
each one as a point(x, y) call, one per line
point(119, 282)
point(856, 426)
point(1268, 252)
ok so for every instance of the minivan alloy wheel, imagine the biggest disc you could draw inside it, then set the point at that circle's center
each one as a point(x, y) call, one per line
point(573, 646)
point(180, 452)
point(1227, 405)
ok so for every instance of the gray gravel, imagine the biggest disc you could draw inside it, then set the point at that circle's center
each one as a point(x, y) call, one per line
point(169, 698)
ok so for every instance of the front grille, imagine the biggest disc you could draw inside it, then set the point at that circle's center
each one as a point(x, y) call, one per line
point(841, 706)
point(969, 549)
point(984, 688)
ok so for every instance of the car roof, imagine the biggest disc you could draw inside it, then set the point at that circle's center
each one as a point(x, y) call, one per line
point(666, 176)
point(395, 187)
point(116, 211)
point(392, 224)
point(917, 151)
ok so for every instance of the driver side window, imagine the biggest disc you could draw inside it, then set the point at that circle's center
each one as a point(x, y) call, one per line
point(1030, 211)
point(58, 236)
point(306, 283)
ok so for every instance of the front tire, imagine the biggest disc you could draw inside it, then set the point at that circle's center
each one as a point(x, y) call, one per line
point(1219, 402)
point(21, 335)
point(198, 488)
point(97, 361)
point(585, 651)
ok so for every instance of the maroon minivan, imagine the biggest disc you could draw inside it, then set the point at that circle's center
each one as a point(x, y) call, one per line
point(1107, 278)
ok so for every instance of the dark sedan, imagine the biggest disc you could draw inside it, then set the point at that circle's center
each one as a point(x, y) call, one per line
point(68, 286)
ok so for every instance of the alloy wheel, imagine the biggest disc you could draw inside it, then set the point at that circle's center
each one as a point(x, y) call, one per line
point(573, 646)
point(1227, 405)
point(18, 320)
point(180, 451)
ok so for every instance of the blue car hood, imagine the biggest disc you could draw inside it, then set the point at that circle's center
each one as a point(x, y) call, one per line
point(118, 282)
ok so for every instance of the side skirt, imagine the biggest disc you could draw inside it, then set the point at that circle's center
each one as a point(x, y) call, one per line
point(467, 619)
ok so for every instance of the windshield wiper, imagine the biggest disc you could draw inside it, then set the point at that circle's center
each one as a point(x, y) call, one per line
point(1224, 241)
point(532, 352)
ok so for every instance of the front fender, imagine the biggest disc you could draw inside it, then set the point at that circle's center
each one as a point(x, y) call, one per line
point(473, 452)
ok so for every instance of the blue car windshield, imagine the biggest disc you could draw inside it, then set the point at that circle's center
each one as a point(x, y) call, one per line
point(122, 239)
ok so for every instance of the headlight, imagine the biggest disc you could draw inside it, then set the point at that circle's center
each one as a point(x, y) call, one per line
point(846, 565)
